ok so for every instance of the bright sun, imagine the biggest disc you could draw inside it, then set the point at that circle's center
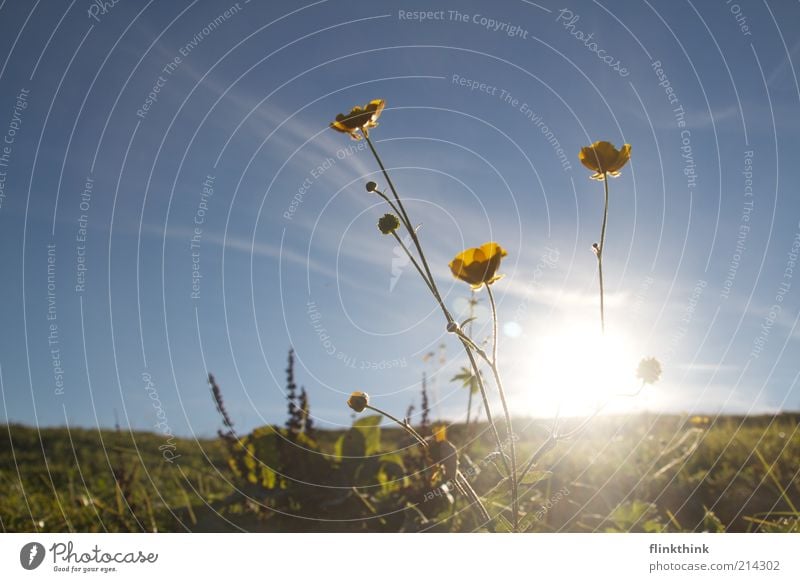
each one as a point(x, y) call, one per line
point(576, 367)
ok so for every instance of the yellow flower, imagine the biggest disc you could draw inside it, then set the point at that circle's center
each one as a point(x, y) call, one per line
point(360, 119)
point(358, 401)
point(440, 433)
point(478, 265)
point(604, 159)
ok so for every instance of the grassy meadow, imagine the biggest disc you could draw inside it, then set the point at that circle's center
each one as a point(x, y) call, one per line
point(643, 472)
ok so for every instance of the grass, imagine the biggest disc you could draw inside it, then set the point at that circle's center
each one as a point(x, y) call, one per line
point(625, 473)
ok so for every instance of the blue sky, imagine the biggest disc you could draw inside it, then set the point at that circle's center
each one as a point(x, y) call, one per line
point(152, 102)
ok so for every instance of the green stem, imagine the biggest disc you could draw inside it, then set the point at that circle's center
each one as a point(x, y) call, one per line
point(393, 207)
point(435, 291)
point(413, 261)
point(509, 427)
point(543, 448)
point(473, 497)
point(407, 427)
point(410, 228)
point(468, 490)
point(600, 248)
point(485, 398)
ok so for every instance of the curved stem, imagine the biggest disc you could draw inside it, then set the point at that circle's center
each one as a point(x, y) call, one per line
point(599, 251)
point(393, 207)
point(402, 210)
point(543, 448)
point(434, 289)
point(405, 426)
point(485, 399)
point(473, 497)
point(478, 350)
point(467, 488)
point(509, 427)
point(410, 228)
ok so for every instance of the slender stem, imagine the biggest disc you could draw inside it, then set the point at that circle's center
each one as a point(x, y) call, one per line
point(485, 399)
point(543, 448)
point(388, 179)
point(470, 492)
point(599, 252)
point(632, 394)
point(410, 228)
point(393, 207)
point(468, 331)
point(405, 426)
point(436, 294)
point(509, 427)
point(467, 488)
point(478, 350)
point(494, 324)
point(413, 261)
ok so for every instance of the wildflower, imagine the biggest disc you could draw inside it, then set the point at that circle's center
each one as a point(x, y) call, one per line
point(440, 433)
point(649, 370)
point(478, 266)
point(360, 119)
point(358, 401)
point(604, 159)
point(388, 223)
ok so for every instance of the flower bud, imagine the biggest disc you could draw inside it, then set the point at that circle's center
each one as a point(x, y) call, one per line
point(388, 223)
point(649, 370)
point(371, 186)
point(452, 327)
point(358, 401)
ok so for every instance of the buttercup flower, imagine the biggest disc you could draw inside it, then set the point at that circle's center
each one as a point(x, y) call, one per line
point(358, 401)
point(649, 370)
point(360, 119)
point(478, 266)
point(388, 223)
point(604, 159)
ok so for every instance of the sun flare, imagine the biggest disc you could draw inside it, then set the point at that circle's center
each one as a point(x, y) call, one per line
point(577, 368)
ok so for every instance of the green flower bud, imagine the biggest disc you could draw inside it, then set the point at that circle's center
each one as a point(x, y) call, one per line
point(388, 223)
point(649, 370)
point(358, 401)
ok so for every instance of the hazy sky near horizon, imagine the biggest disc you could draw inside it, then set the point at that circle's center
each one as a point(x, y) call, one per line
point(173, 203)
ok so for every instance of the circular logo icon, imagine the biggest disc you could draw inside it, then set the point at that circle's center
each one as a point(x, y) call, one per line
point(31, 555)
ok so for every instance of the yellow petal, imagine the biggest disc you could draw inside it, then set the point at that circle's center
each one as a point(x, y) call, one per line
point(623, 156)
point(603, 158)
point(478, 266)
point(588, 159)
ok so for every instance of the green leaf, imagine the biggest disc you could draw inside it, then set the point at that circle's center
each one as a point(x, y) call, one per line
point(351, 444)
point(394, 459)
point(464, 376)
point(369, 427)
